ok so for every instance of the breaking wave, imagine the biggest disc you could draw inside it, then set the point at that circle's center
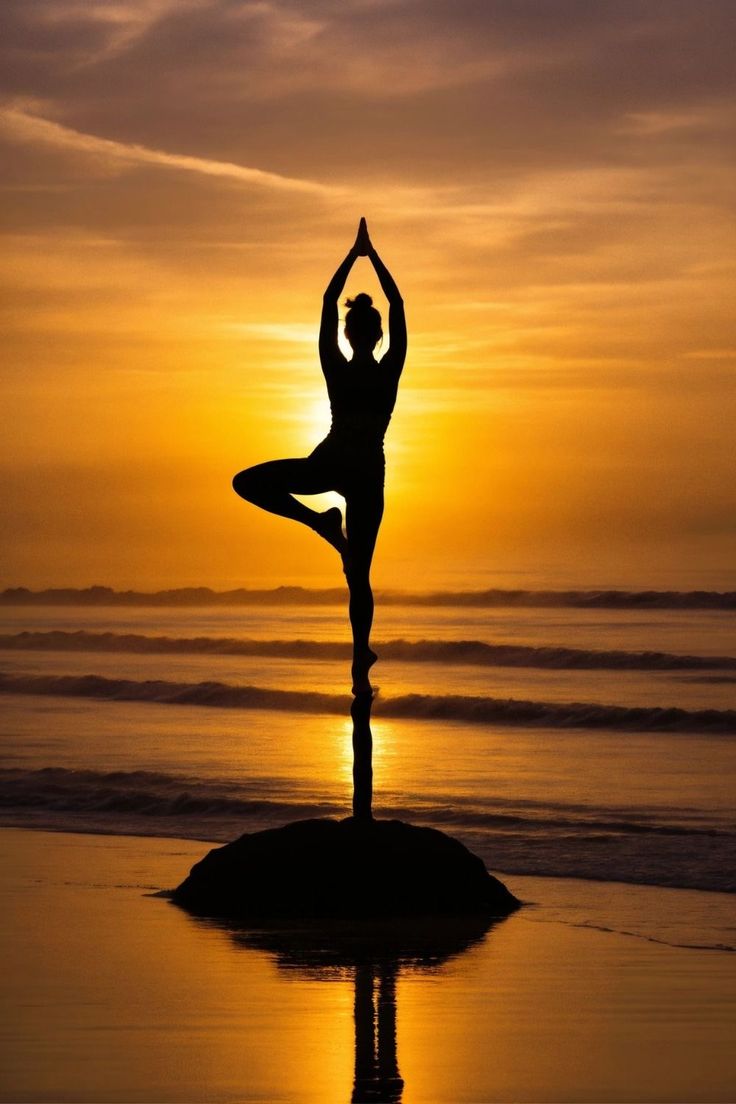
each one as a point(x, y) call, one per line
point(145, 793)
point(296, 596)
point(452, 707)
point(655, 847)
point(471, 652)
point(157, 794)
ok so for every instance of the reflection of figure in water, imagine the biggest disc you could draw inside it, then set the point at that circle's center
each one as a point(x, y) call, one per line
point(350, 460)
point(374, 954)
point(377, 1076)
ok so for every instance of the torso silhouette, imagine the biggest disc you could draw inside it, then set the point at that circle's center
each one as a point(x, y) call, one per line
point(362, 397)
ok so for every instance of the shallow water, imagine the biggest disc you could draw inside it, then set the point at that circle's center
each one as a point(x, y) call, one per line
point(621, 800)
point(113, 995)
point(681, 689)
point(699, 632)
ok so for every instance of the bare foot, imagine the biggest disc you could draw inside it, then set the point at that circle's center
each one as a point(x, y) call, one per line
point(329, 527)
point(361, 666)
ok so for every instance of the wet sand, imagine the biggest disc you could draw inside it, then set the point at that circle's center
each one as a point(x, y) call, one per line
point(112, 994)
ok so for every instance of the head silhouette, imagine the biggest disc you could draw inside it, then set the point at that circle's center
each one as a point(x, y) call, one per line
point(362, 324)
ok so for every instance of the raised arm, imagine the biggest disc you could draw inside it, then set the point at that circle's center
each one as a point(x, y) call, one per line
point(328, 347)
point(396, 316)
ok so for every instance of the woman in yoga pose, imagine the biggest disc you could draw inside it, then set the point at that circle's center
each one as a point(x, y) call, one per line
point(350, 460)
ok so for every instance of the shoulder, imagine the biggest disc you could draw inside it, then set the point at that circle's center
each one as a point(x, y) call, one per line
point(333, 363)
point(392, 361)
point(332, 357)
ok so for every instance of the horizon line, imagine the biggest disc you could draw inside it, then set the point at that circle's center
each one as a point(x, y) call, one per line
point(583, 597)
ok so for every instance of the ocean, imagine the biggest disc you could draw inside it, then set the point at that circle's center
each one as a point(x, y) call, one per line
point(579, 735)
point(581, 743)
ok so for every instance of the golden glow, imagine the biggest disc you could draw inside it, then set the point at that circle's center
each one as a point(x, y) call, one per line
point(568, 287)
point(346, 755)
point(235, 986)
point(543, 1008)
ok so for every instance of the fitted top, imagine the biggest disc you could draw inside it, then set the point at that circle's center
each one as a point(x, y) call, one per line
point(362, 399)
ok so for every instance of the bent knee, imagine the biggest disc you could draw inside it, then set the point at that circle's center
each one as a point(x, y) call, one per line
point(246, 483)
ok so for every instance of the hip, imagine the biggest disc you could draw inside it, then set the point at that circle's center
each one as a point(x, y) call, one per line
point(350, 462)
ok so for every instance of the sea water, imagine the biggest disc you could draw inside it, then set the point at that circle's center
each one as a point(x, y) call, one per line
point(111, 993)
point(586, 754)
point(595, 743)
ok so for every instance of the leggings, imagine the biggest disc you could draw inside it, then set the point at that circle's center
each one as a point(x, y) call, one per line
point(272, 487)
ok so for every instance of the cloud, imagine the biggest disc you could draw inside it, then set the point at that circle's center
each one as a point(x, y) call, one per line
point(22, 126)
point(548, 180)
point(397, 91)
point(291, 333)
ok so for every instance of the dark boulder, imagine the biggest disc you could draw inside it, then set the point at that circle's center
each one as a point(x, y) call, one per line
point(343, 868)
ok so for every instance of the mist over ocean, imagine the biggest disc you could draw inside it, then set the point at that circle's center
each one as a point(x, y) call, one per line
point(581, 735)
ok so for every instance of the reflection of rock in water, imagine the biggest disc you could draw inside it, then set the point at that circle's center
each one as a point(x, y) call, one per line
point(373, 953)
point(326, 948)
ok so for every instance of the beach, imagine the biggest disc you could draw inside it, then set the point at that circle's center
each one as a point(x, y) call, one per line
point(369, 486)
point(112, 993)
point(136, 737)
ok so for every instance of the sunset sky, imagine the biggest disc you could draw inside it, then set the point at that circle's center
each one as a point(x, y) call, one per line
point(551, 183)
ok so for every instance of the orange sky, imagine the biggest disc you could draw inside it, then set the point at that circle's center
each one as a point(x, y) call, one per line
point(551, 183)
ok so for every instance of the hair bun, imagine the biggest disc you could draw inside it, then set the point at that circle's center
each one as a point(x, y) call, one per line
point(362, 301)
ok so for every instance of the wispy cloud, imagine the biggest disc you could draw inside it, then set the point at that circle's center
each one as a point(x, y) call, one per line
point(649, 123)
point(22, 126)
point(293, 333)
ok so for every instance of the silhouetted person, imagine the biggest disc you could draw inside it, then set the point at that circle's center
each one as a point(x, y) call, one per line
point(350, 460)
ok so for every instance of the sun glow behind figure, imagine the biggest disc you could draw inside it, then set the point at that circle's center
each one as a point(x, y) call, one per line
point(552, 184)
point(568, 282)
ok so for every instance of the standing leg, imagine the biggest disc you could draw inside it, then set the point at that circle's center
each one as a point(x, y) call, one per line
point(363, 518)
point(273, 485)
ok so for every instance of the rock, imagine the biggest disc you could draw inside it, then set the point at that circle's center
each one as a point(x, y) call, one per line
point(344, 869)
